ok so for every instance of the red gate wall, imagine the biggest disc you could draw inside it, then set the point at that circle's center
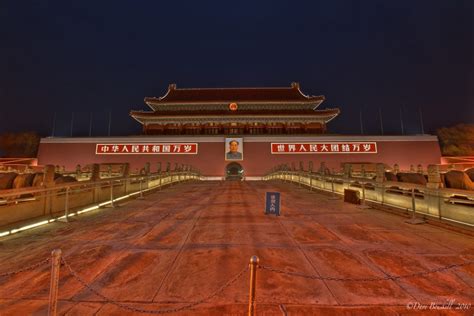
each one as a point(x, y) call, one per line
point(258, 159)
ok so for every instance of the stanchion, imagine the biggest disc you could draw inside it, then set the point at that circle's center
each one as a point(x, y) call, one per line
point(253, 280)
point(66, 207)
point(383, 194)
point(53, 289)
point(362, 204)
point(141, 190)
point(310, 182)
point(413, 220)
point(112, 194)
point(112, 203)
point(333, 192)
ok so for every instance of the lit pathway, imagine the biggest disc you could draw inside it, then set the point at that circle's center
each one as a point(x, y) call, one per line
point(185, 242)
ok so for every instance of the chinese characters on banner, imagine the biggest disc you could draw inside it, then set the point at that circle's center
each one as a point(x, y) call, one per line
point(272, 203)
point(322, 148)
point(148, 148)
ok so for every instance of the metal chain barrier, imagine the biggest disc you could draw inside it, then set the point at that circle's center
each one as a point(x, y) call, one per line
point(163, 311)
point(387, 277)
point(27, 268)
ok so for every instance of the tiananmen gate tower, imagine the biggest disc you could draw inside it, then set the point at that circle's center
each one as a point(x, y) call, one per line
point(240, 131)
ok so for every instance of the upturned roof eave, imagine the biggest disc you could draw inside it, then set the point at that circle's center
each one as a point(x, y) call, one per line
point(144, 118)
point(157, 102)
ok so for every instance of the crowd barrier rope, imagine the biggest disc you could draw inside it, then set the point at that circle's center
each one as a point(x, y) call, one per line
point(57, 260)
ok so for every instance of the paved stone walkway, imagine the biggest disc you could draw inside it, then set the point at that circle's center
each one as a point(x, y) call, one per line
point(183, 243)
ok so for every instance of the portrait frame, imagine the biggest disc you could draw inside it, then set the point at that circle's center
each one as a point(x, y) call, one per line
point(239, 155)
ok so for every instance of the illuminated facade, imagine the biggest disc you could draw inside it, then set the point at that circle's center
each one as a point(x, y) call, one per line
point(234, 111)
point(238, 132)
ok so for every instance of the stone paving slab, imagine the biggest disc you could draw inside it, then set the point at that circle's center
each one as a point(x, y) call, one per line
point(183, 243)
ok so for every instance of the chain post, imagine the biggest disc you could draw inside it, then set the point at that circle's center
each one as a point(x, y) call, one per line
point(253, 280)
point(53, 289)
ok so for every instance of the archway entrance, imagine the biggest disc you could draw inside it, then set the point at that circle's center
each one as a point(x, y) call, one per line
point(234, 171)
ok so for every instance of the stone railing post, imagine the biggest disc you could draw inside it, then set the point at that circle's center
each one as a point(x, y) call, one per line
point(347, 170)
point(78, 171)
point(380, 179)
point(396, 168)
point(432, 193)
point(48, 179)
point(95, 176)
point(126, 176)
point(419, 169)
point(147, 175)
point(48, 182)
point(362, 171)
point(322, 168)
point(434, 177)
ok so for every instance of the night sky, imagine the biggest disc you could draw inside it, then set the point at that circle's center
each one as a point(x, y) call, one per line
point(106, 56)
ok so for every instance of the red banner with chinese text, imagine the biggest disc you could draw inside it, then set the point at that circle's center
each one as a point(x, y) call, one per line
point(325, 148)
point(147, 148)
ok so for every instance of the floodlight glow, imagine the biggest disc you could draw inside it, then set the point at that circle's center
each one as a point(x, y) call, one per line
point(85, 210)
point(29, 226)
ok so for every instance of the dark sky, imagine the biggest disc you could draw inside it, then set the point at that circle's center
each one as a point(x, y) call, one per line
point(101, 56)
